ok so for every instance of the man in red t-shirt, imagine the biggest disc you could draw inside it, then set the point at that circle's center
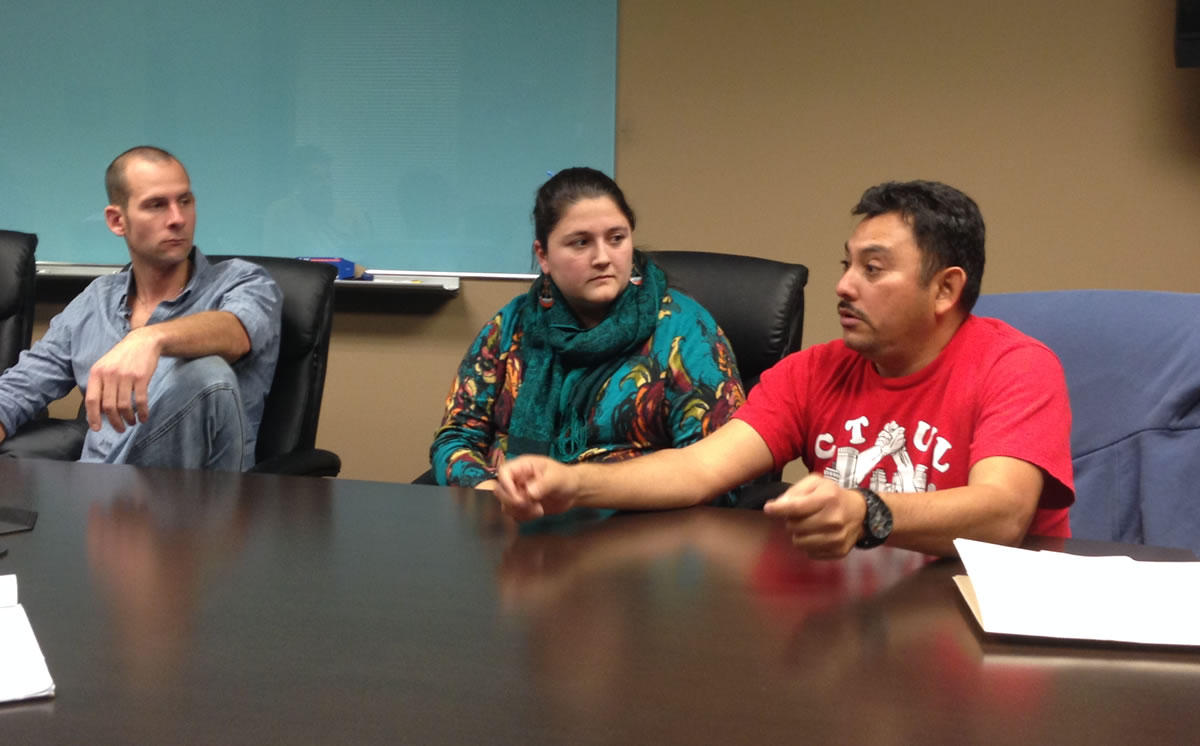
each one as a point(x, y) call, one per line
point(922, 424)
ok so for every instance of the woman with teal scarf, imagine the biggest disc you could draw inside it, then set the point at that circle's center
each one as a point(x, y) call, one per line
point(600, 360)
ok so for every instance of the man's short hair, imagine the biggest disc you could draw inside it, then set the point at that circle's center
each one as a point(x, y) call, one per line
point(115, 182)
point(946, 224)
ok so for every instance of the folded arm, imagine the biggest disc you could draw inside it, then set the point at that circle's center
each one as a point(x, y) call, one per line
point(118, 382)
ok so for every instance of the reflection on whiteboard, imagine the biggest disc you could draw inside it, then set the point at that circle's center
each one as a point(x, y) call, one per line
point(406, 136)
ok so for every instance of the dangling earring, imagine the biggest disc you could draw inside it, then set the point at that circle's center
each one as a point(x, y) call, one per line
point(545, 299)
point(635, 279)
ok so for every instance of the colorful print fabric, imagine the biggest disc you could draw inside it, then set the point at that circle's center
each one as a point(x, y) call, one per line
point(681, 385)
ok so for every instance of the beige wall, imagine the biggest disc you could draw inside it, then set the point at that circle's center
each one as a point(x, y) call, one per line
point(753, 127)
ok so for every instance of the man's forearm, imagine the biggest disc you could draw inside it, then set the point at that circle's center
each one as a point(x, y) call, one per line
point(43, 374)
point(658, 480)
point(532, 486)
point(996, 505)
point(677, 477)
point(201, 334)
point(929, 522)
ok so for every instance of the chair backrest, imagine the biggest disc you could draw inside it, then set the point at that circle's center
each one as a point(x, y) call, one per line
point(1132, 363)
point(18, 273)
point(758, 303)
point(293, 405)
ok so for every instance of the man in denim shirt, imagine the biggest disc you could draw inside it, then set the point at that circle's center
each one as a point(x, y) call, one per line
point(175, 355)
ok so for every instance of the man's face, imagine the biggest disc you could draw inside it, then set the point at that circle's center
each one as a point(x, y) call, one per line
point(159, 219)
point(886, 312)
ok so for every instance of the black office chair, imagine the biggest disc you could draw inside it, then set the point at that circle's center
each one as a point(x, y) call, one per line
point(288, 432)
point(18, 273)
point(758, 303)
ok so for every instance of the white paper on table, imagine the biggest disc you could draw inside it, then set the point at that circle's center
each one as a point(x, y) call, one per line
point(1054, 594)
point(23, 672)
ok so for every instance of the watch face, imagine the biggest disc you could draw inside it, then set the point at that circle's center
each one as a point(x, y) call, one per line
point(879, 519)
point(877, 525)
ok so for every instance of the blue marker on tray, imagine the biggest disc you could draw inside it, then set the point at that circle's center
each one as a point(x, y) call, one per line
point(346, 269)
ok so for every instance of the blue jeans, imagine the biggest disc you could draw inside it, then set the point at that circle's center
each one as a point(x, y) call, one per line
point(196, 421)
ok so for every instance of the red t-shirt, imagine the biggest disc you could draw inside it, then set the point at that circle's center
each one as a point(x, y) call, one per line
point(992, 391)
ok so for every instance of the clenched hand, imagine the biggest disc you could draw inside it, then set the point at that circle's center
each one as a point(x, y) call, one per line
point(118, 382)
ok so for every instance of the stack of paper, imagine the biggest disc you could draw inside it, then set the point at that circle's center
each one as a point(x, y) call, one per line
point(23, 672)
point(1052, 594)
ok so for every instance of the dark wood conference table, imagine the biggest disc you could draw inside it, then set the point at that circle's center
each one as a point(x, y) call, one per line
point(191, 607)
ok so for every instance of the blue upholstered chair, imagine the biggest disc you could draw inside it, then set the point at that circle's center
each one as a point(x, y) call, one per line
point(1132, 362)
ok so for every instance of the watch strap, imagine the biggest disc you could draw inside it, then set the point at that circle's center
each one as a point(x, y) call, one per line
point(877, 523)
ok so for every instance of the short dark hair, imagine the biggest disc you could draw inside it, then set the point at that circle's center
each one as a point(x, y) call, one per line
point(567, 187)
point(946, 224)
point(115, 183)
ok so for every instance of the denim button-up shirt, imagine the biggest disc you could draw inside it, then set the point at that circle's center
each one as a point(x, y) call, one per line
point(98, 318)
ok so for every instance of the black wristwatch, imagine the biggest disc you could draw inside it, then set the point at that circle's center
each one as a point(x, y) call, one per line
point(877, 525)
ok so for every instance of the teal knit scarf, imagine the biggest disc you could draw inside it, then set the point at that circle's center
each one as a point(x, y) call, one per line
point(553, 422)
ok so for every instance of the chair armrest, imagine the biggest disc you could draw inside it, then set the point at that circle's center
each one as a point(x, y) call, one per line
point(305, 462)
point(425, 477)
point(52, 438)
point(753, 495)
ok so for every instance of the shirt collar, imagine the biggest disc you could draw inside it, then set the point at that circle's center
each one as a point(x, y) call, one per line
point(200, 267)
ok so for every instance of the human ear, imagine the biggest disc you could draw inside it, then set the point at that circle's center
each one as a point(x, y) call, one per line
point(115, 219)
point(949, 285)
point(542, 261)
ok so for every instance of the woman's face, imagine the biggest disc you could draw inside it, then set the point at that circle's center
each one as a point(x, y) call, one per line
point(589, 255)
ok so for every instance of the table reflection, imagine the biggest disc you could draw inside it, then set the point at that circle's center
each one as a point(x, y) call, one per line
point(152, 548)
point(161, 542)
point(253, 608)
point(613, 610)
